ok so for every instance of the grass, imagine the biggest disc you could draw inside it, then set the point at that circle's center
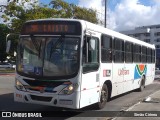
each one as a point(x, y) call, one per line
point(7, 70)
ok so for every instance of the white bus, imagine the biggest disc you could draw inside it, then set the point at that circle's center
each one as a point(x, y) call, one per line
point(73, 63)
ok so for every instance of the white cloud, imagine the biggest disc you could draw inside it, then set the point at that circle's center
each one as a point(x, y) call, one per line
point(157, 1)
point(3, 2)
point(97, 5)
point(128, 14)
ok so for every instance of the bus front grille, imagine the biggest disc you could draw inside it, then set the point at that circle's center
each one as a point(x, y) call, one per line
point(40, 98)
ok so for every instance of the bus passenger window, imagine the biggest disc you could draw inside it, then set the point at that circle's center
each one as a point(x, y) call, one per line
point(84, 58)
point(106, 49)
point(128, 52)
point(118, 51)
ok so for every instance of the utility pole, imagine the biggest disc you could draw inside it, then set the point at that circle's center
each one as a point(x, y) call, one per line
point(105, 19)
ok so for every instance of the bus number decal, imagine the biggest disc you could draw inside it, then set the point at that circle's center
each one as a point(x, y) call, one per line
point(106, 73)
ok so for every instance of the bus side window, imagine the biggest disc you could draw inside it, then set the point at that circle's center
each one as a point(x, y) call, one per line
point(118, 50)
point(144, 54)
point(128, 52)
point(84, 52)
point(106, 49)
point(90, 54)
point(153, 56)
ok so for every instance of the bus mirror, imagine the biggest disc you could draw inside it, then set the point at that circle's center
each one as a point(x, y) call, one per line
point(8, 45)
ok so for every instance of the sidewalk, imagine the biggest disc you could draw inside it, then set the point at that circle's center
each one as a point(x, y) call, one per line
point(146, 109)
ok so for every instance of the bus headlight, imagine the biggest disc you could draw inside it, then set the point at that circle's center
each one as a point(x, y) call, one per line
point(67, 90)
point(19, 85)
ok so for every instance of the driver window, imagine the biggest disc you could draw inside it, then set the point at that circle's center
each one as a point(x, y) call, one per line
point(90, 54)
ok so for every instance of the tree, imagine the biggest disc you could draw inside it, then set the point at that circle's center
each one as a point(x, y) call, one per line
point(86, 14)
point(18, 13)
point(3, 32)
point(66, 10)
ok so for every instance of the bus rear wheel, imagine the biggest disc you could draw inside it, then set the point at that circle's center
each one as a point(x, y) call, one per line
point(103, 97)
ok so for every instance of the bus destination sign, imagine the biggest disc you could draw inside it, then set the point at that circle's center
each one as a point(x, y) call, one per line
point(51, 27)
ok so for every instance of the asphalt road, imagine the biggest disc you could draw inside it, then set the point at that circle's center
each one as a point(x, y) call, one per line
point(121, 102)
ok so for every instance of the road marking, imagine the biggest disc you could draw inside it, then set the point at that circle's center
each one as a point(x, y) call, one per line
point(131, 107)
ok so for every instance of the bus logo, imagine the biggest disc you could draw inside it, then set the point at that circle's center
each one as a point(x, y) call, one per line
point(140, 70)
point(42, 90)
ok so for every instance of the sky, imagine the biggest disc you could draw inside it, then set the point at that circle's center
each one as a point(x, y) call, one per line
point(122, 14)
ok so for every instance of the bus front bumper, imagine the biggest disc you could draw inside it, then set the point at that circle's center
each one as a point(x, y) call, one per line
point(66, 101)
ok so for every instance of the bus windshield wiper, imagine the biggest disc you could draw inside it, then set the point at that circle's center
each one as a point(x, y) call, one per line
point(35, 44)
point(58, 43)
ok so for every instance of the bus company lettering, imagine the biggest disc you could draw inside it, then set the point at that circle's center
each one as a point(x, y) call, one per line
point(123, 72)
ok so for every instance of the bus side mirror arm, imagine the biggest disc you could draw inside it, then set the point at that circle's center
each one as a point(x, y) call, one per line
point(8, 46)
point(8, 42)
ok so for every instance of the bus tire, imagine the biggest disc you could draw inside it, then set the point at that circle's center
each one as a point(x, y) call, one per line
point(142, 85)
point(103, 97)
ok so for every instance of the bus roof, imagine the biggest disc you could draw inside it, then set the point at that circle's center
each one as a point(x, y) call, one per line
point(93, 27)
point(97, 28)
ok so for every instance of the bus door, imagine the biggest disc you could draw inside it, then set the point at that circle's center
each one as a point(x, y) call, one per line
point(91, 67)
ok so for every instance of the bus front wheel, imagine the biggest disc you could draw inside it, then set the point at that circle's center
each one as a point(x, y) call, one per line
point(103, 97)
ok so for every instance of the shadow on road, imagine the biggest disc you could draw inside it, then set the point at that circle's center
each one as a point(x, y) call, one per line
point(7, 104)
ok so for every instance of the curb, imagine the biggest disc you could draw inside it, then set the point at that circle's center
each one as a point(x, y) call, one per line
point(7, 74)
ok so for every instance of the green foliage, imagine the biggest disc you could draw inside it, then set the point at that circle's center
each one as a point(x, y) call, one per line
point(65, 10)
point(17, 13)
point(86, 14)
point(3, 32)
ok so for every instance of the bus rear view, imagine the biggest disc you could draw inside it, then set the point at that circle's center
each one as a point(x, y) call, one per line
point(48, 63)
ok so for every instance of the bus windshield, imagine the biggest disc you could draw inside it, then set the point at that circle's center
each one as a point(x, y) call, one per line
point(48, 56)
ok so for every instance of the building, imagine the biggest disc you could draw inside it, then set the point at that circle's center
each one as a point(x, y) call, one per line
point(149, 34)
